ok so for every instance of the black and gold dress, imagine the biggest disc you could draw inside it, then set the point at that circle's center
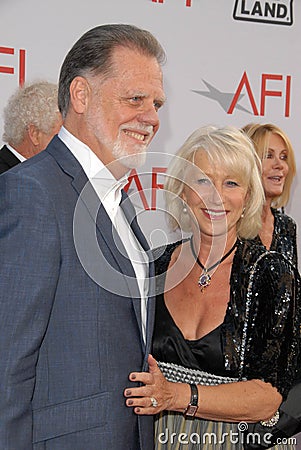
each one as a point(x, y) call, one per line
point(259, 338)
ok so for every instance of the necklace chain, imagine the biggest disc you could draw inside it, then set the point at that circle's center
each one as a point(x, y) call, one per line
point(205, 278)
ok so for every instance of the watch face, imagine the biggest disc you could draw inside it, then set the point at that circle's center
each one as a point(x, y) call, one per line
point(190, 411)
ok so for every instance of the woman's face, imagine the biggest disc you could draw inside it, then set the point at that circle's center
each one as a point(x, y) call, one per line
point(216, 198)
point(274, 167)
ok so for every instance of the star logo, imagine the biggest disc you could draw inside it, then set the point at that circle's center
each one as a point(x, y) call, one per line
point(223, 98)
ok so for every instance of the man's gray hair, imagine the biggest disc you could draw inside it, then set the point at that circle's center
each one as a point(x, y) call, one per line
point(35, 103)
point(92, 54)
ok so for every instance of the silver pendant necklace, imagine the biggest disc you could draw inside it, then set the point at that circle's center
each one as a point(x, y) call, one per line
point(205, 279)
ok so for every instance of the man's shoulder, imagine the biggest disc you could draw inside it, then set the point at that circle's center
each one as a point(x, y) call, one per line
point(42, 164)
point(29, 168)
point(36, 173)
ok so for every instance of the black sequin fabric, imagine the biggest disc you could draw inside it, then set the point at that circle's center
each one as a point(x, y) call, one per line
point(284, 239)
point(260, 331)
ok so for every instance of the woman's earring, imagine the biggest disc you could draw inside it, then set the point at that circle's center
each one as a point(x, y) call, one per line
point(184, 210)
point(243, 213)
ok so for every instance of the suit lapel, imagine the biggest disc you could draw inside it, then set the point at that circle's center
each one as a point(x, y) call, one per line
point(111, 251)
point(150, 312)
point(107, 242)
point(131, 216)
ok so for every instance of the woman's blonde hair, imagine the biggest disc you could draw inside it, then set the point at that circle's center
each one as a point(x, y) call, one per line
point(228, 147)
point(260, 135)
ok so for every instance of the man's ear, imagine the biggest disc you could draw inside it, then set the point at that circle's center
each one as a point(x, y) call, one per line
point(33, 134)
point(79, 94)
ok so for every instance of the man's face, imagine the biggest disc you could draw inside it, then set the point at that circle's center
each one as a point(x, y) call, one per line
point(122, 115)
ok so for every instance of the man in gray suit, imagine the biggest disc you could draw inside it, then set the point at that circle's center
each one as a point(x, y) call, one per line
point(76, 280)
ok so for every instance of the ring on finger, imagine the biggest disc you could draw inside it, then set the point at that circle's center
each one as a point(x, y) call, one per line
point(154, 402)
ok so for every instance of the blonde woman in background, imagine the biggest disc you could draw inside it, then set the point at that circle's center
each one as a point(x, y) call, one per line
point(275, 150)
point(278, 233)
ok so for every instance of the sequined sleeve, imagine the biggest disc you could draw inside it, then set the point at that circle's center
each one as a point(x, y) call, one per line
point(273, 327)
point(285, 236)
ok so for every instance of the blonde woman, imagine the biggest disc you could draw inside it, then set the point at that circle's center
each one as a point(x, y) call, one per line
point(274, 148)
point(223, 356)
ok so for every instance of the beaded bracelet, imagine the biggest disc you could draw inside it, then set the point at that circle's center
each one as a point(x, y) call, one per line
point(271, 422)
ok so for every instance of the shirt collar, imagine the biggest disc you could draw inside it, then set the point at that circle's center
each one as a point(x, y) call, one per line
point(17, 154)
point(103, 181)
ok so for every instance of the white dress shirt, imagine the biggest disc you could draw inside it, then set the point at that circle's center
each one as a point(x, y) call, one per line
point(108, 190)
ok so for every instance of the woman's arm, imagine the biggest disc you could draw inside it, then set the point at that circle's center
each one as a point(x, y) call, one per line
point(248, 401)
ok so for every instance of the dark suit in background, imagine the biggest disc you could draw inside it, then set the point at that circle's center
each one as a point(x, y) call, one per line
point(7, 159)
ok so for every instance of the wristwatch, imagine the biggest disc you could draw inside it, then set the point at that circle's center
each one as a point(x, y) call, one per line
point(192, 407)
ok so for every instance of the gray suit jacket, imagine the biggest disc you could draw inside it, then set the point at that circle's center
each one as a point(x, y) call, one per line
point(70, 323)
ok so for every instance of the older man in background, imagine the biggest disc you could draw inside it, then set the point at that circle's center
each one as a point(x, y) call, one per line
point(31, 119)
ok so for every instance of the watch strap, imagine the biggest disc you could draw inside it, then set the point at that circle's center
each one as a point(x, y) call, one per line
point(192, 407)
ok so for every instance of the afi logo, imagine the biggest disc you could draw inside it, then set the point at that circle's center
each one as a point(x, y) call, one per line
point(155, 185)
point(18, 63)
point(277, 12)
point(229, 101)
point(188, 2)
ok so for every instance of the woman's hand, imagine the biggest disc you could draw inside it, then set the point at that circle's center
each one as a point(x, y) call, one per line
point(249, 401)
point(156, 391)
